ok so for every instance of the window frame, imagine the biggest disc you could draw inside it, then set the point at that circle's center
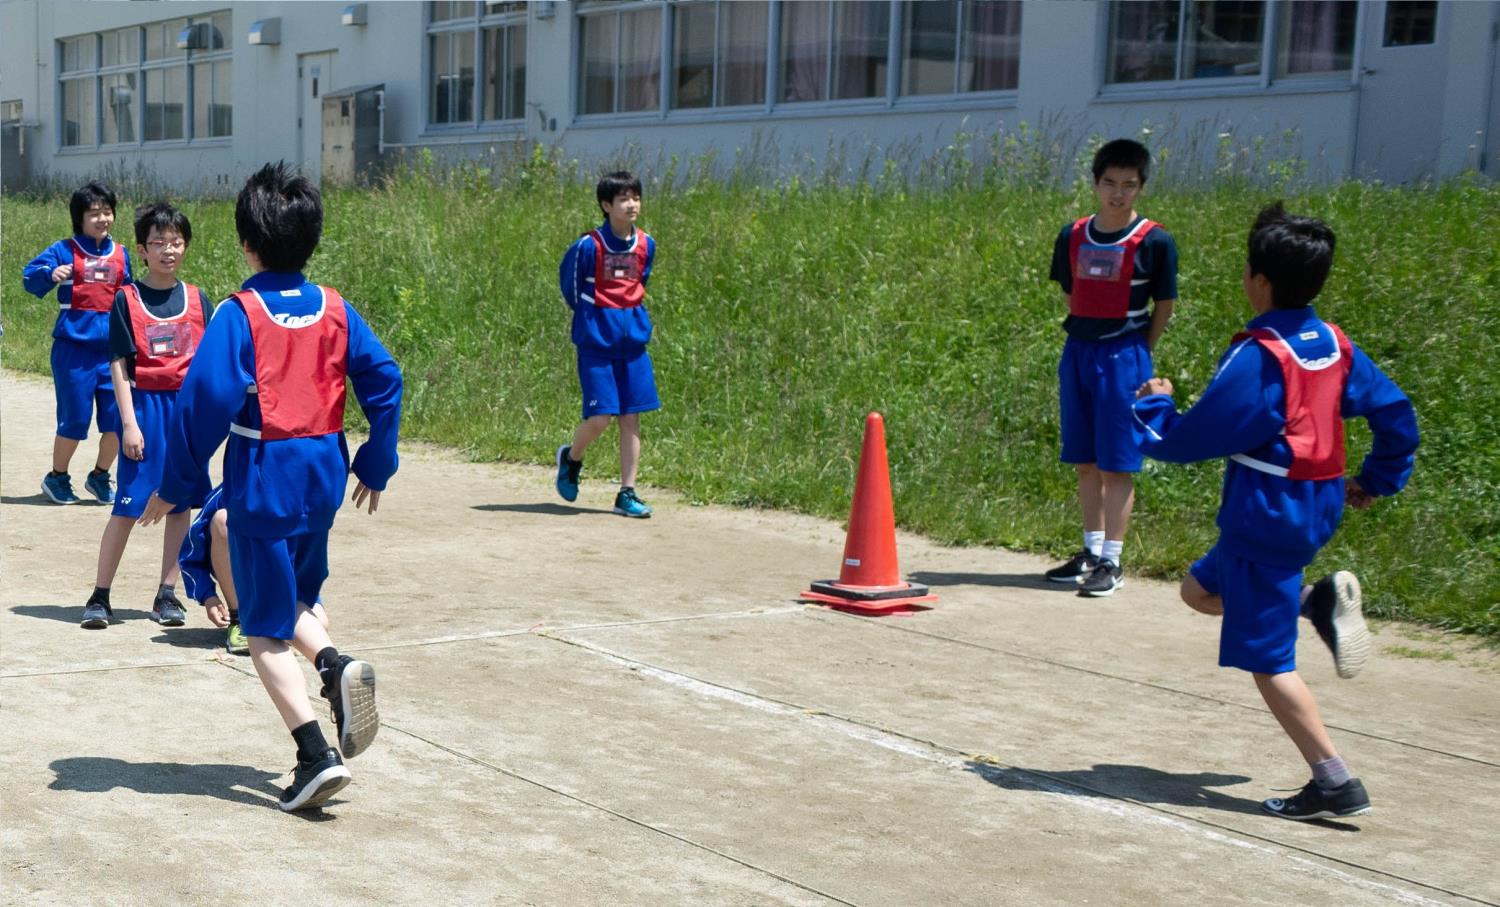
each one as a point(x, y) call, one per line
point(1267, 81)
point(479, 21)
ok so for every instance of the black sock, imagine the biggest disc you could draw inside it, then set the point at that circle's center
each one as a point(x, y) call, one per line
point(101, 595)
point(310, 742)
point(166, 589)
point(326, 661)
point(99, 469)
point(56, 473)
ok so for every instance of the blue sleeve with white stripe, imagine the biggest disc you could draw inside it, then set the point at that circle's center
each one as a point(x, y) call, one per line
point(575, 274)
point(377, 386)
point(36, 277)
point(213, 392)
point(1240, 410)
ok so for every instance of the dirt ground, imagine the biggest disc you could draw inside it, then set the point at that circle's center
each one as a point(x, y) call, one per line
point(583, 709)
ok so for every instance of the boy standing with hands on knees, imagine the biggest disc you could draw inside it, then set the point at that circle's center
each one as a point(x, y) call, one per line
point(603, 278)
point(1276, 408)
point(154, 331)
point(270, 376)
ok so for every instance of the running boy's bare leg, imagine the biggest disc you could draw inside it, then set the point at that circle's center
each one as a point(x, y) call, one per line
point(276, 665)
point(630, 448)
point(176, 530)
point(1118, 499)
point(587, 432)
point(112, 548)
point(62, 452)
point(1294, 706)
point(1091, 496)
point(218, 555)
point(109, 448)
point(1199, 598)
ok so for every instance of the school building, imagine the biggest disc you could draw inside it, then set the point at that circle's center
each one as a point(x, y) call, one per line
point(197, 93)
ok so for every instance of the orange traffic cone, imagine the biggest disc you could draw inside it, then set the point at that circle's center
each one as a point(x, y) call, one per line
point(870, 580)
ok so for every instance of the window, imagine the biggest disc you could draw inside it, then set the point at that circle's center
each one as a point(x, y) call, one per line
point(1317, 36)
point(10, 112)
point(1409, 22)
point(477, 62)
point(834, 49)
point(133, 85)
point(951, 46)
point(621, 60)
point(719, 54)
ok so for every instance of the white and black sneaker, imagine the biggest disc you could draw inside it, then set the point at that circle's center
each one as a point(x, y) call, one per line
point(1313, 802)
point(1334, 607)
point(1076, 568)
point(313, 783)
point(1105, 578)
point(350, 691)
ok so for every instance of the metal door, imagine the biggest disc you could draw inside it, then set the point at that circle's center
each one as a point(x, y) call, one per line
point(1402, 63)
point(314, 78)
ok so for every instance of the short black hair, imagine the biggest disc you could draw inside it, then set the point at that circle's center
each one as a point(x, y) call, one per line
point(163, 218)
point(87, 196)
point(1126, 153)
point(613, 184)
point(279, 217)
point(1294, 253)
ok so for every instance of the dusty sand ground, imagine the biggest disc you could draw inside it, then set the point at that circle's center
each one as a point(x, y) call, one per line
point(581, 709)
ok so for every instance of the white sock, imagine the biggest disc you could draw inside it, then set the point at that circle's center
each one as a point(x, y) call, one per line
point(1111, 551)
point(1093, 541)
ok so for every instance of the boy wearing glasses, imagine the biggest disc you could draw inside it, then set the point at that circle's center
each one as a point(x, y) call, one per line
point(154, 330)
point(1111, 266)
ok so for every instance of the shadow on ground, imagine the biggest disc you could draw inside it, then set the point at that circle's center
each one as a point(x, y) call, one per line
point(99, 774)
point(72, 614)
point(1002, 580)
point(545, 508)
point(191, 637)
point(34, 500)
point(1127, 782)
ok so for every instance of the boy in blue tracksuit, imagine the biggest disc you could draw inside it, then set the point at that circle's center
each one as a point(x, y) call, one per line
point(270, 376)
point(87, 269)
point(603, 278)
point(1275, 408)
point(204, 560)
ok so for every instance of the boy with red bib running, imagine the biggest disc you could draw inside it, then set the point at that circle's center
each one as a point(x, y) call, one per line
point(1111, 266)
point(155, 328)
point(270, 377)
point(87, 269)
point(603, 278)
point(1276, 409)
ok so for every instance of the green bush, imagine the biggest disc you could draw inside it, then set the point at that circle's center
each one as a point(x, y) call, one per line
point(788, 308)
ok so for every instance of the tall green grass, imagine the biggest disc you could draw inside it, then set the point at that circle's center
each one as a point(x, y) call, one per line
point(787, 308)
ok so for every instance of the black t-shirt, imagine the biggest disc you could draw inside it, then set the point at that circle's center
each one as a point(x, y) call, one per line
point(1154, 278)
point(160, 303)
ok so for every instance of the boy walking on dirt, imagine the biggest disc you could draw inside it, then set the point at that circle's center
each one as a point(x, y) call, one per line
point(270, 377)
point(1275, 408)
point(603, 278)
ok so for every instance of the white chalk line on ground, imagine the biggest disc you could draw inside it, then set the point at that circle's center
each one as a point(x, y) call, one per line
point(956, 759)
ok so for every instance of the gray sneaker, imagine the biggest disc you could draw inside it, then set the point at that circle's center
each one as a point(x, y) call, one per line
point(167, 611)
point(96, 615)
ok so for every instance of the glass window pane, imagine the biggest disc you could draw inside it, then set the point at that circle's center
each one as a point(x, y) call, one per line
point(515, 76)
point(10, 111)
point(742, 52)
point(500, 9)
point(223, 30)
point(693, 46)
point(212, 111)
point(166, 98)
point(640, 60)
point(119, 108)
point(598, 60)
point(161, 39)
point(1225, 39)
point(1317, 36)
point(929, 47)
point(452, 77)
point(78, 53)
point(444, 11)
point(804, 50)
point(78, 112)
point(463, 77)
point(442, 63)
point(121, 47)
point(861, 38)
point(1410, 22)
point(1143, 41)
point(218, 30)
point(991, 58)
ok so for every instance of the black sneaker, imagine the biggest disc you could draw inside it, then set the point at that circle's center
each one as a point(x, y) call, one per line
point(167, 610)
point(96, 614)
point(1312, 802)
point(314, 782)
point(1081, 565)
point(1333, 605)
point(350, 690)
point(1104, 580)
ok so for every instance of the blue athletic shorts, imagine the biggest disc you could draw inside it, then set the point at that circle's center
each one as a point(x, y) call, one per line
point(80, 379)
point(615, 387)
point(271, 575)
point(1097, 381)
point(1262, 604)
point(136, 479)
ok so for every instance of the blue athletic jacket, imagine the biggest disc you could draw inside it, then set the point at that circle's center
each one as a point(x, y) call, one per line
point(612, 333)
point(278, 488)
point(90, 329)
point(1265, 517)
